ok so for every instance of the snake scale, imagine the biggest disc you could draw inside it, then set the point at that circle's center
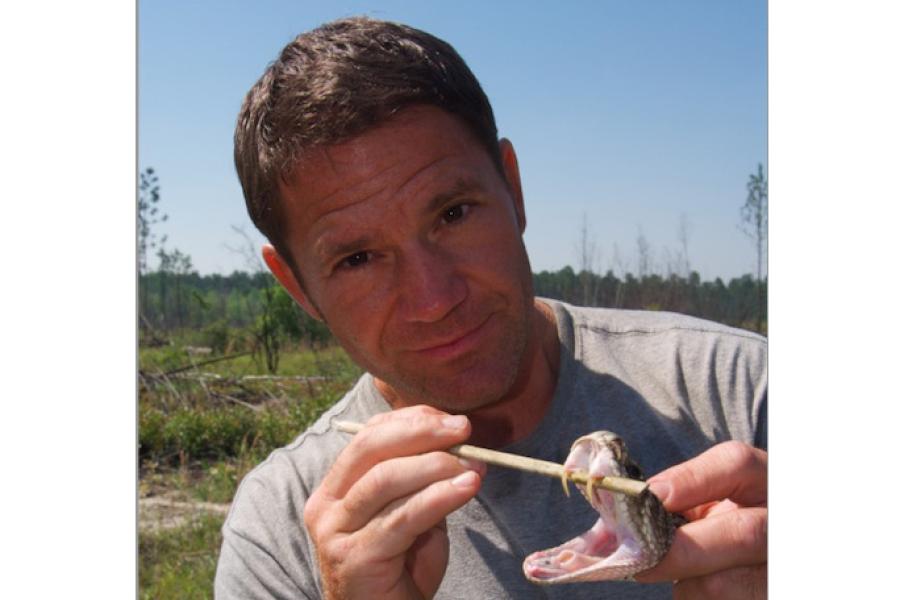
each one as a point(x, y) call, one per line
point(632, 535)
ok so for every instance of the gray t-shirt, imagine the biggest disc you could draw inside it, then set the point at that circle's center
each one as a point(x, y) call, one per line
point(670, 385)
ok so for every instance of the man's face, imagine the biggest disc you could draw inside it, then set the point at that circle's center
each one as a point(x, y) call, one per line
point(409, 243)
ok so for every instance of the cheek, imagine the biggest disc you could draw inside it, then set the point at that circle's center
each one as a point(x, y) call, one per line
point(356, 314)
point(502, 259)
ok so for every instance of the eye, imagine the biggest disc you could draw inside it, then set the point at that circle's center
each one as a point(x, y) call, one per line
point(356, 260)
point(455, 213)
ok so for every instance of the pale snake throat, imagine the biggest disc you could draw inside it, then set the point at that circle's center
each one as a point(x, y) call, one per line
point(632, 535)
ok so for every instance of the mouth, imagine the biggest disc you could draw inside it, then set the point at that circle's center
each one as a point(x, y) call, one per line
point(457, 344)
point(631, 535)
point(602, 552)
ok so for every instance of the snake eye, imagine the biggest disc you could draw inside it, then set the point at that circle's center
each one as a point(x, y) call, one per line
point(632, 471)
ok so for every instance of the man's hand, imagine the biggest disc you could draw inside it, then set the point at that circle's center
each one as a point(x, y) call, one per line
point(721, 553)
point(377, 519)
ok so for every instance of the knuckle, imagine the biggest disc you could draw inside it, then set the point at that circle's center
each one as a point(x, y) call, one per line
point(751, 528)
point(423, 422)
point(424, 409)
point(319, 518)
point(743, 456)
point(379, 418)
point(334, 555)
point(372, 485)
point(311, 514)
point(446, 461)
point(398, 518)
point(363, 443)
point(403, 413)
point(739, 453)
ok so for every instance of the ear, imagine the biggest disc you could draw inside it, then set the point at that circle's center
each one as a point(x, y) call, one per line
point(511, 172)
point(288, 281)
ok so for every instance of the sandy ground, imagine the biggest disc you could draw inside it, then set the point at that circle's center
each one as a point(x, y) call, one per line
point(168, 511)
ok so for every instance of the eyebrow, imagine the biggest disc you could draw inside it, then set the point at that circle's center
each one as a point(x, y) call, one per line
point(462, 187)
point(330, 251)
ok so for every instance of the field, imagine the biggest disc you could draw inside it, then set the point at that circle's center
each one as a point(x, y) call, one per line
point(204, 421)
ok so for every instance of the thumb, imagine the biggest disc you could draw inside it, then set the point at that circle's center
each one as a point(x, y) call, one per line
point(731, 470)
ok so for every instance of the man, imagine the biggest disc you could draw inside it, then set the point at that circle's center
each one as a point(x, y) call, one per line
point(369, 157)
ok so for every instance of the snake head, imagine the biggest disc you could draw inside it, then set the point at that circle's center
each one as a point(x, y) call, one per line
point(632, 533)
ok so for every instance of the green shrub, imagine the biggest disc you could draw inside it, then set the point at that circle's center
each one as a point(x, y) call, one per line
point(163, 358)
point(217, 336)
point(223, 432)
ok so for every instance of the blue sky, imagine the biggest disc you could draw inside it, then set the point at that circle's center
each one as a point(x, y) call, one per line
point(636, 115)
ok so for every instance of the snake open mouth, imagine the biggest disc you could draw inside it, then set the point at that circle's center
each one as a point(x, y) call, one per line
point(631, 535)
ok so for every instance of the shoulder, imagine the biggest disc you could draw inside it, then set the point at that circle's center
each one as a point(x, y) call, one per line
point(264, 542)
point(668, 375)
point(287, 477)
point(651, 332)
point(618, 322)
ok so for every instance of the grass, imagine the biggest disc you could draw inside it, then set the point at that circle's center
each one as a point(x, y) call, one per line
point(198, 437)
point(203, 482)
point(220, 415)
point(180, 563)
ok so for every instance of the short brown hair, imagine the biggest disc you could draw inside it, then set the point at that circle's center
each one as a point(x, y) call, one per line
point(332, 84)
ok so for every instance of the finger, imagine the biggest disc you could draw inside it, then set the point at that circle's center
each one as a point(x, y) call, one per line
point(716, 507)
point(732, 470)
point(741, 583)
point(403, 435)
point(398, 526)
point(404, 413)
point(397, 478)
point(724, 541)
point(426, 572)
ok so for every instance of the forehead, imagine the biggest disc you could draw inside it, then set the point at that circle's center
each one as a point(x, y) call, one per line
point(419, 151)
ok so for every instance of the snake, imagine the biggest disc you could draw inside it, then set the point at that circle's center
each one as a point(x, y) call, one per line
point(632, 534)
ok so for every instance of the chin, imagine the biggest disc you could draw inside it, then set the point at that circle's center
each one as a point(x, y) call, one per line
point(464, 391)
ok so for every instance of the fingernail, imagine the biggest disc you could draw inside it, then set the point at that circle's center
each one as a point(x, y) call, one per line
point(465, 480)
point(472, 464)
point(455, 422)
point(661, 489)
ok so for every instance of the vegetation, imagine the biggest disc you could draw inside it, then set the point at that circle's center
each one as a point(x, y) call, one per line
point(180, 562)
point(231, 369)
point(755, 222)
point(201, 429)
point(735, 303)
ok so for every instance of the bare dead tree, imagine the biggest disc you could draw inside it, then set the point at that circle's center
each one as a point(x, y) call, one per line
point(755, 223)
point(587, 252)
point(148, 216)
point(266, 333)
point(645, 259)
point(684, 228)
point(619, 270)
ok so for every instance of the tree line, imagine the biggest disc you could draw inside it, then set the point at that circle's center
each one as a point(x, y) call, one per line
point(739, 302)
point(173, 300)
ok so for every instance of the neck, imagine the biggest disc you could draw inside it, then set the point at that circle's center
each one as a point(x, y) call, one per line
point(520, 411)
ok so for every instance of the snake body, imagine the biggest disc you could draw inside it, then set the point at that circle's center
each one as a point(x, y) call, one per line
point(632, 534)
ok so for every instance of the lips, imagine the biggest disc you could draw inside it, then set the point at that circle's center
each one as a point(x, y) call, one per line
point(460, 342)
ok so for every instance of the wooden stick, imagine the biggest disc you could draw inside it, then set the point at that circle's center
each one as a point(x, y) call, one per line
point(622, 485)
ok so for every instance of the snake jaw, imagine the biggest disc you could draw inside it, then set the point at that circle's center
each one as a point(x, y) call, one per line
point(631, 535)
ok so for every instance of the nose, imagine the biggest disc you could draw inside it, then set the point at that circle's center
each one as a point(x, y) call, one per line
point(429, 282)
